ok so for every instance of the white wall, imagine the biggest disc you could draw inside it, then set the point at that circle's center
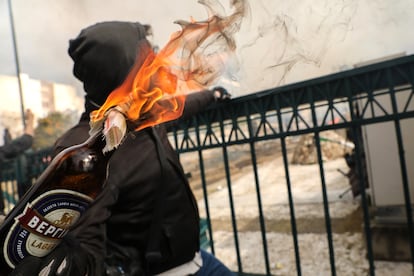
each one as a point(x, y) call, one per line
point(383, 163)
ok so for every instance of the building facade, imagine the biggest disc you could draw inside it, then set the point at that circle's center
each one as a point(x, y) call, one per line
point(42, 97)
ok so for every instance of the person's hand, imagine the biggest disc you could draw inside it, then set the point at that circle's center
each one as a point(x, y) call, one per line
point(221, 94)
point(65, 260)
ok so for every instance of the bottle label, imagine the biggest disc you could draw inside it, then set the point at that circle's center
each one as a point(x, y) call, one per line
point(43, 223)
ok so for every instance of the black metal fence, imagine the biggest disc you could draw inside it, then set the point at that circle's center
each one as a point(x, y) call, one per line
point(234, 141)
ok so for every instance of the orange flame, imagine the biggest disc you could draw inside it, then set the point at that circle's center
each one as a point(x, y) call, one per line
point(154, 90)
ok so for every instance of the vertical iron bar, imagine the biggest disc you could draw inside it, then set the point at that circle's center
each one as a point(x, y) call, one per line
point(355, 125)
point(16, 59)
point(403, 167)
point(323, 182)
point(325, 204)
point(259, 197)
point(228, 180)
point(289, 187)
point(204, 185)
point(291, 205)
point(175, 135)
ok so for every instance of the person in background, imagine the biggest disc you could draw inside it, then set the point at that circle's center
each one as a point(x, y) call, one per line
point(128, 230)
point(6, 136)
point(12, 148)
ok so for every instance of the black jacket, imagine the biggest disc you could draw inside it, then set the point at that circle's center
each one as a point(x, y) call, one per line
point(118, 224)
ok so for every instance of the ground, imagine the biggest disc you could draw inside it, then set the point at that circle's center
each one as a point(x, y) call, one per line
point(306, 189)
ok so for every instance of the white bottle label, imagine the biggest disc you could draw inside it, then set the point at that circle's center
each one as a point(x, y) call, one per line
point(43, 223)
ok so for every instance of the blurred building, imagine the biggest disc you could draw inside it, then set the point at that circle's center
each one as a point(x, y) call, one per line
point(42, 97)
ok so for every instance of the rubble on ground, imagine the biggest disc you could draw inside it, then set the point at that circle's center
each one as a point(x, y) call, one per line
point(333, 146)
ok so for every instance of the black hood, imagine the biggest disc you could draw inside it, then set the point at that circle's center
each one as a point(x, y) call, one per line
point(103, 54)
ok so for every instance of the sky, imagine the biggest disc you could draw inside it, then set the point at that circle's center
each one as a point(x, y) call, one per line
point(279, 42)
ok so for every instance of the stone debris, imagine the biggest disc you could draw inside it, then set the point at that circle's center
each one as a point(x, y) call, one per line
point(333, 146)
point(349, 251)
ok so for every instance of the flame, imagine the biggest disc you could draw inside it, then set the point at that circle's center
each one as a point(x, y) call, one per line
point(155, 89)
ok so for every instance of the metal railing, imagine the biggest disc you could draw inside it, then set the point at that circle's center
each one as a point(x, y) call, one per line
point(269, 123)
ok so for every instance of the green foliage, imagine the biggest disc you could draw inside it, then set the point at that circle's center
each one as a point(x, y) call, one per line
point(50, 128)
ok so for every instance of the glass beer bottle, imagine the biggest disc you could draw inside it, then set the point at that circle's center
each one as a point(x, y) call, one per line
point(52, 205)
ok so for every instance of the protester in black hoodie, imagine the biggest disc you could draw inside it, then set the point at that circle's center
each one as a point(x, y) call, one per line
point(121, 233)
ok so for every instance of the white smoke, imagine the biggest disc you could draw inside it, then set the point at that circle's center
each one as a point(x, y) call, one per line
point(283, 36)
point(279, 43)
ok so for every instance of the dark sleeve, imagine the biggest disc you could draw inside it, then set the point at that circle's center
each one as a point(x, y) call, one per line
point(196, 102)
point(90, 231)
point(17, 146)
